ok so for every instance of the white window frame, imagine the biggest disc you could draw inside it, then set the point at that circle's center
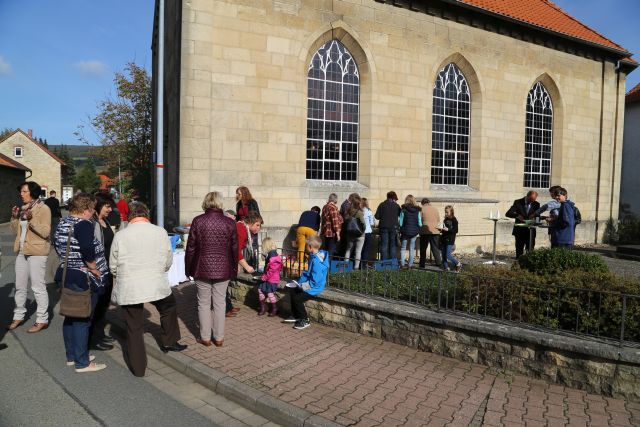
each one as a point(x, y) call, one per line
point(15, 151)
point(338, 135)
point(538, 144)
point(450, 138)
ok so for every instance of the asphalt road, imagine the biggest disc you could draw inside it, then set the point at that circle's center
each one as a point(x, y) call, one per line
point(38, 389)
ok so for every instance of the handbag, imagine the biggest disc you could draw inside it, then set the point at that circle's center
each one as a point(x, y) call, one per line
point(353, 228)
point(248, 253)
point(73, 303)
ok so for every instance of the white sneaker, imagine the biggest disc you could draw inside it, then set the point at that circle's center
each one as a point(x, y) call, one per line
point(91, 359)
point(93, 367)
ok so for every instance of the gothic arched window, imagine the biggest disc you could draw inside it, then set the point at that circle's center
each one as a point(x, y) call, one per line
point(451, 124)
point(333, 101)
point(538, 138)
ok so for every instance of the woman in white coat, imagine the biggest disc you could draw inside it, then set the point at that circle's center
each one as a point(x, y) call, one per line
point(140, 258)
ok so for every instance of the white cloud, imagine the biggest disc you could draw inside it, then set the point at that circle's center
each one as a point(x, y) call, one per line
point(91, 68)
point(5, 67)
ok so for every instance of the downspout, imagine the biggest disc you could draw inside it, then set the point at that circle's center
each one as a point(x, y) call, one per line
point(615, 138)
point(597, 215)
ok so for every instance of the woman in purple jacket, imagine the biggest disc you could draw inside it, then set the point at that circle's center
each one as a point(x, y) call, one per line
point(212, 259)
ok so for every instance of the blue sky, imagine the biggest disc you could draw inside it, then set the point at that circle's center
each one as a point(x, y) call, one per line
point(57, 58)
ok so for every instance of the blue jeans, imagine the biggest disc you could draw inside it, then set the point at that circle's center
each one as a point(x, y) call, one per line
point(448, 256)
point(75, 331)
point(330, 245)
point(412, 249)
point(388, 238)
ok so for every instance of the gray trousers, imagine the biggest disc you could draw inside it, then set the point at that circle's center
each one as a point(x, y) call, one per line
point(358, 242)
point(31, 268)
point(211, 308)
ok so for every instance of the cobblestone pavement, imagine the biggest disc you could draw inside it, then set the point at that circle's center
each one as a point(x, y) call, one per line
point(357, 380)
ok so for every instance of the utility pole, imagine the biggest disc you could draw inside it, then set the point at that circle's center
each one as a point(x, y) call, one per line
point(160, 125)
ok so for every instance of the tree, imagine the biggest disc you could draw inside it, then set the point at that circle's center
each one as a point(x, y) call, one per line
point(124, 127)
point(69, 169)
point(5, 132)
point(87, 179)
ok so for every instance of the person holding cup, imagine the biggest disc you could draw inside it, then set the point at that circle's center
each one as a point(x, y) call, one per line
point(32, 224)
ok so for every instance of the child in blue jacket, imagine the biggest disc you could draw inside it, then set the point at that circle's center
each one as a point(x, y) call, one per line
point(312, 282)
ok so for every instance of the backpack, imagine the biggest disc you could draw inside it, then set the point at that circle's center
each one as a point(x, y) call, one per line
point(577, 216)
point(353, 227)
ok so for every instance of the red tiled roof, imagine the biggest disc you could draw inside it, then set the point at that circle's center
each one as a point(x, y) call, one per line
point(10, 163)
point(633, 95)
point(42, 147)
point(544, 14)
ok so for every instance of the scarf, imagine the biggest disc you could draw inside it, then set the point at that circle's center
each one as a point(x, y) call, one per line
point(26, 209)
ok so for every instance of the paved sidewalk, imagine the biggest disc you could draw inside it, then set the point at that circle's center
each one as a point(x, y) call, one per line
point(357, 380)
point(217, 409)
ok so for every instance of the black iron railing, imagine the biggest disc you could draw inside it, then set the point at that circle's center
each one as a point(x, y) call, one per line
point(603, 315)
point(585, 312)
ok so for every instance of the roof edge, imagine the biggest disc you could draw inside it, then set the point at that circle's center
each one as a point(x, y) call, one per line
point(42, 147)
point(12, 163)
point(622, 52)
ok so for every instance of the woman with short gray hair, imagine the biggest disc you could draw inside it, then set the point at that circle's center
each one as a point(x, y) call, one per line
point(212, 259)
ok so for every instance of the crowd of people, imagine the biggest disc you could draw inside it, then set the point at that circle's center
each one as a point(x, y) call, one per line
point(129, 267)
point(347, 231)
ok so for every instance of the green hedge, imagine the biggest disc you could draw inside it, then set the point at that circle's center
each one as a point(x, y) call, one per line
point(553, 261)
point(567, 300)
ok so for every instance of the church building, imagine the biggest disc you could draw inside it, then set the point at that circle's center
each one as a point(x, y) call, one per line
point(468, 102)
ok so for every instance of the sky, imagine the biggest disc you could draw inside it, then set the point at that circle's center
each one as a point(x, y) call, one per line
point(58, 58)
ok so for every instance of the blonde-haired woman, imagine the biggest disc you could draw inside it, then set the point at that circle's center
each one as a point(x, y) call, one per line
point(212, 259)
point(448, 239)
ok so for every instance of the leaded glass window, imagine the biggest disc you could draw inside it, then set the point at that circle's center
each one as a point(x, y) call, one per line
point(333, 101)
point(450, 131)
point(538, 138)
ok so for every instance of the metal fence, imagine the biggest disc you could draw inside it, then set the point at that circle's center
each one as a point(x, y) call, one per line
point(610, 317)
point(603, 315)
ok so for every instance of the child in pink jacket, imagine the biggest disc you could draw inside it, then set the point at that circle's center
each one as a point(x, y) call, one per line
point(270, 278)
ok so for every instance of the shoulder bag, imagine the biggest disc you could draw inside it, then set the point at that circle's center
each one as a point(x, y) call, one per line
point(353, 227)
point(73, 303)
point(249, 253)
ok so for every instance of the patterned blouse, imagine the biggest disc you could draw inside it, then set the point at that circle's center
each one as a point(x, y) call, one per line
point(83, 248)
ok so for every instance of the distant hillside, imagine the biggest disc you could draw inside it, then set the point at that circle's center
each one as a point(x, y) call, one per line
point(80, 154)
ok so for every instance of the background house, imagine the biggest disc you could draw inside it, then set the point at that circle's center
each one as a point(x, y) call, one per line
point(630, 183)
point(12, 174)
point(469, 102)
point(44, 165)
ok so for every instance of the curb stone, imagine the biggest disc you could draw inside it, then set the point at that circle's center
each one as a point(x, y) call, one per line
point(267, 406)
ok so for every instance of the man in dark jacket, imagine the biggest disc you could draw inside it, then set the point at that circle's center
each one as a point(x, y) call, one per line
point(524, 209)
point(388, 213)
point(54, 206)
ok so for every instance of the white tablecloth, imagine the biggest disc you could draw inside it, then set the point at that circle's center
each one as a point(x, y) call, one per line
point(176, 272)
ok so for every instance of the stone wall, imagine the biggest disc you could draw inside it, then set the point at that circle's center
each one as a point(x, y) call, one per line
point(630, 182)
point(579, 363)
point(243, 110)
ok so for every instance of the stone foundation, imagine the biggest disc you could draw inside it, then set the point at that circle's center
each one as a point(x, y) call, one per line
point(578, 363)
